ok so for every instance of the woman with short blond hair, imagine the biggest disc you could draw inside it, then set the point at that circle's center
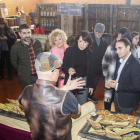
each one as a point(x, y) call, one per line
point(58, 40)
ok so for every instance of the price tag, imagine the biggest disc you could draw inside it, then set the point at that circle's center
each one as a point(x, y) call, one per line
point(139, 120)
point(114, 129)
point(93, 114)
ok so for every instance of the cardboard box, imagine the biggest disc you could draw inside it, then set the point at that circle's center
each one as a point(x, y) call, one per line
point(11, 21)
point(25, 19)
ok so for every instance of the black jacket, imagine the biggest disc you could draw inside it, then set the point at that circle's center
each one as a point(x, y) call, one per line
point(69, 61)
point(98, 53)
point(129, 83)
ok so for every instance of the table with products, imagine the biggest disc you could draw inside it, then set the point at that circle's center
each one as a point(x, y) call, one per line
point(15, 127)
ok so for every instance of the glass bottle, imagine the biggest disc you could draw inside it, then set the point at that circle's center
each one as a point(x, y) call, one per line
point(44, 11)
point(42, 22)
point(53, 12)
point(50, 24)
point(50, 12)
point(47, 24)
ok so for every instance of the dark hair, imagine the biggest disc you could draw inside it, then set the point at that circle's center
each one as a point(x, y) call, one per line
point(23, 26)
point(125, 32)
point(125, 41)
point(133, 34)
point(6, 27)
point(36, 18)
point(86, 36)
point(70, 41)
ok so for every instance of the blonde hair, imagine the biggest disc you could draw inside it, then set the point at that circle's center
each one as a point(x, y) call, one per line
point(55, 33)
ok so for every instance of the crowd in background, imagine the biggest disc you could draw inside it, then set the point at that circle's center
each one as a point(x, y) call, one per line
point(86, 55)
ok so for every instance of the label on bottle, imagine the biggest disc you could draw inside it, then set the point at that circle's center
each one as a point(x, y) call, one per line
point(44, 13)
point(53, 14)
point(48, 14)
point(41, 13)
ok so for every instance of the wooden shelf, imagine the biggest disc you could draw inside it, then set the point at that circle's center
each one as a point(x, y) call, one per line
point(48, 17)
point(49, 30)
point(127, 20)
point(98, 19)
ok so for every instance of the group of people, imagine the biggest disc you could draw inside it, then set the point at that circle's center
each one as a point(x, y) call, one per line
point(74, 69)
point(89, 57)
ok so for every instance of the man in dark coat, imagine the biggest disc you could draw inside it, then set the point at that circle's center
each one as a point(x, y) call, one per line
point(126, 83)
point(23, 55)
point(7, 39)
point(98, 49)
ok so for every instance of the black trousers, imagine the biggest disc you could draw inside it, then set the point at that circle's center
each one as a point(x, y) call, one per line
point(5, 55)
point(96, 79)
point(107, 105)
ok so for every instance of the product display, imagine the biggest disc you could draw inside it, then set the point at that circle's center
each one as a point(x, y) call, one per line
point(48, 16)
point(111, 126)
point(13, 106)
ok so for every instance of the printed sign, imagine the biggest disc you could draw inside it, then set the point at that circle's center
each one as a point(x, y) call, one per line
point(69, 10)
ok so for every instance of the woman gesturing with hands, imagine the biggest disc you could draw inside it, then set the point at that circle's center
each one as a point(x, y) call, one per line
point(77, 62)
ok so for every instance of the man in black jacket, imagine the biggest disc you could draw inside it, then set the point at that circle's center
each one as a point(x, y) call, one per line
point(98, 49)
point(127, 79)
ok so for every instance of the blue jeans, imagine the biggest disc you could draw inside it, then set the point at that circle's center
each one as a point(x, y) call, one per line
point(120, 109)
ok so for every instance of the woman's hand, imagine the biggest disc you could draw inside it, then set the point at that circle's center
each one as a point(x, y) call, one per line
point(71, 71)
point(3, 38)
point(90, 90)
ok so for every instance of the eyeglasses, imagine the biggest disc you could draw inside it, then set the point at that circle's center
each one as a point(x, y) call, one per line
point(59, 68)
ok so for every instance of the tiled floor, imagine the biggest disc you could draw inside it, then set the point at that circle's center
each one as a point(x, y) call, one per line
point(12, 90)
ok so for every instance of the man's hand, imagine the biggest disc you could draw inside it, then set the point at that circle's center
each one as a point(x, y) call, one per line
point(71, 71)
point(113, 84)
point(74, 84)
point(107, 85)
point(90, 90)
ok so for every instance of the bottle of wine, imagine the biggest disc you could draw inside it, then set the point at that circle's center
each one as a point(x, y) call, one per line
point(50, 12)
point(53, 12)
point(52, 23)
point(47, 24)
point(42, 22)
point(44, 11)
